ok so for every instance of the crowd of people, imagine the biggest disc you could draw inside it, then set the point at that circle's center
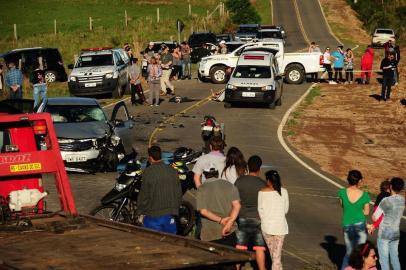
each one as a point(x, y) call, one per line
point(337, 61)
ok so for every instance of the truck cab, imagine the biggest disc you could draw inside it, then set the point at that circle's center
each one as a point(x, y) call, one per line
point(99, 71)
point(255, 79)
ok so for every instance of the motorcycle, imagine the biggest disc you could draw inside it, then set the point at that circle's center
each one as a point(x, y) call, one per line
point(210, 128)
point(120, 203)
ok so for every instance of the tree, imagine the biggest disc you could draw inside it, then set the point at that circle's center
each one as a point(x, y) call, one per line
point(242, 12)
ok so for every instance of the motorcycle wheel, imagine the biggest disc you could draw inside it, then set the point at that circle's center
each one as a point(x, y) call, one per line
point(107, 211)
point(186, 219)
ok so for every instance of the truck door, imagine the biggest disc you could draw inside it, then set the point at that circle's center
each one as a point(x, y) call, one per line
point(123, 125)
point(121, 68)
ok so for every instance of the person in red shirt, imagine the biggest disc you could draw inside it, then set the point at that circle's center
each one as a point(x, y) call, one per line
point(367, 61)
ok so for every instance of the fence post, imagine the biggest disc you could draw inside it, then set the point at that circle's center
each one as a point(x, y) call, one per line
point(55, 27)
point(190, 10)
point(157, 15)
point(125, 18)
point(191, 29)
point(207, 13)
point(220, 9)
point(204, 25)
point(90, 24)
point(15, 32)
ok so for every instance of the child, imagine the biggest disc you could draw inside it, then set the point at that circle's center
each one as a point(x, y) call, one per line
point(385, 192)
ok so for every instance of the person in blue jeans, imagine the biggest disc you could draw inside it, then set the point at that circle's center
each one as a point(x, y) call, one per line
point(14, 80)
point(38, 84)
point(160, 194)
point(338, 56)
point(355, 204)
point(388, 235)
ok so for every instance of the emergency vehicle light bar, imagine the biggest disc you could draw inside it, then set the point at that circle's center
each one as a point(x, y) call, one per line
point(96, 49)
point(254, 57)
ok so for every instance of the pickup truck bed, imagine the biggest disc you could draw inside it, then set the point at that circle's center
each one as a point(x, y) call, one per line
point(58, 242)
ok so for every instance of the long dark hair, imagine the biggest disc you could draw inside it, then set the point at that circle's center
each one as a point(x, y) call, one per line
point(236, 158)
point(359, 254)
point(273, 177)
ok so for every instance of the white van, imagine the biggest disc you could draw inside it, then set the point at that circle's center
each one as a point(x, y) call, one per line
point(255, 79)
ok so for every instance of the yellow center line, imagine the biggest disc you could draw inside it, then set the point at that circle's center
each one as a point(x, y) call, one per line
point(173, 117)
point(299, 18)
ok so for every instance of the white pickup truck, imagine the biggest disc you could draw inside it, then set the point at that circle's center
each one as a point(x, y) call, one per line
point(294, 66)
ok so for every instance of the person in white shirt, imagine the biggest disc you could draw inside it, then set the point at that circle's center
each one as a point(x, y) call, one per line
point(273, 205)
point(327, 65)
point(236, 165)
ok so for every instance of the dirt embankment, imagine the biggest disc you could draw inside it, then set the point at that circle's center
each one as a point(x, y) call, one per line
point(347, 127)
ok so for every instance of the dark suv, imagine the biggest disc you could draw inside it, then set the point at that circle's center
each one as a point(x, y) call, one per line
point(51, 59)
point(197, 39)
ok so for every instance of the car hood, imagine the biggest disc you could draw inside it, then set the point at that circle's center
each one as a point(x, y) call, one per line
point(85, 130)
point(86, 71)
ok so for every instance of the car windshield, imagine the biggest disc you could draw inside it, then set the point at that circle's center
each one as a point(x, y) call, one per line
point(384, 31)
point(75, 114)
point(271, 34)
point(95, 60)
point(258, 72)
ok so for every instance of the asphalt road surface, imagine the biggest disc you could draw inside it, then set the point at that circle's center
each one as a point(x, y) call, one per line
point(315, 235)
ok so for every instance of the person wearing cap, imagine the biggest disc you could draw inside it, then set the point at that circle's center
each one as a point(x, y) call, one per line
point(218, 202)
point(223, 47)
point(160, 194)
point(166, 64)
point(149, 51)
point(215, 157)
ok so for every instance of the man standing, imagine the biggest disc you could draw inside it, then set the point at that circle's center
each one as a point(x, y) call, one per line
point(215, 157)
point(134, 74)
point(38, 83)
point(218, 202)
point(249, 232)
point(166, 64)
point(14, 80)
point(388, 68)
point(186, 64)
point(388, 235)
point(160, 194)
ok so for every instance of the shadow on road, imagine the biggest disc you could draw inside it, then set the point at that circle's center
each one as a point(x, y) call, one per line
point(335, 251)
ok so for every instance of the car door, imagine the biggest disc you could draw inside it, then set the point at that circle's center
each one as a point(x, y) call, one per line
point(278, 82)
point(123, 125)
point(121, 68)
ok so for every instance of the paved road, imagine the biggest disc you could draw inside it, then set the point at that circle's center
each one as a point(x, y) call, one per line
point(314, 218)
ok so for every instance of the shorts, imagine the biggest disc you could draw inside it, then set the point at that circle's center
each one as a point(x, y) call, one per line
point(249, 234)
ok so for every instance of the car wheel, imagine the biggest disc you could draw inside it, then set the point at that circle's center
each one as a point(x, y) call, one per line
point(227, 105)
point(117, 91)
point(295, 74)
point(50, 76)
point(218, 74)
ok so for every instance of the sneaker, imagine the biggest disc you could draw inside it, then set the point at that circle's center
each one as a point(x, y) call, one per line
point(351, 82)
point(332, 82)
point(156, 105)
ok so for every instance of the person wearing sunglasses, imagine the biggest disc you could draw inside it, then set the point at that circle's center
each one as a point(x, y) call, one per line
point(363, 257)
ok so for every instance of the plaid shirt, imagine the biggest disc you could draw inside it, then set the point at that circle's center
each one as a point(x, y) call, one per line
point(14, 76)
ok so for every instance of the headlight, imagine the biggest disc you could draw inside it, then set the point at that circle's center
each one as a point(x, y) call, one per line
point(72, 78)
point(115, 75)
point(232, 87)
point(65, 141)
point(120, 187)
point(109, 75)
point(203, 62)
point(115, 140)
point(267, 88)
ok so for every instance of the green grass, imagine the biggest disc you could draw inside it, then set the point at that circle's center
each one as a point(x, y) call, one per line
point(264, 9)
point(314, 92)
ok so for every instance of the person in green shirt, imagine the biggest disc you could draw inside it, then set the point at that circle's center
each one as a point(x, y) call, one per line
point(355, 204)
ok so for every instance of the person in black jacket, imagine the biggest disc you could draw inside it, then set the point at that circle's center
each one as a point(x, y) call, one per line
point(388, 68)
point(38, 83)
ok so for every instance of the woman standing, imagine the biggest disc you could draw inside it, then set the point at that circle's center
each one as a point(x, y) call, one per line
point(273, 205)
point(363, 257)
point(355, 204)
point(154, 75)
point(327, 65)
point(349, 66)
point(235, 165)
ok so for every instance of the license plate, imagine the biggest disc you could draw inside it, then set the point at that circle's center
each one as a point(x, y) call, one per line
point(75, 158)
point(248, 94)
point(25, 167)
point(93, 84)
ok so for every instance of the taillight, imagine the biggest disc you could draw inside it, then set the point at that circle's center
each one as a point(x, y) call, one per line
point(39, 127)
point(321, 60)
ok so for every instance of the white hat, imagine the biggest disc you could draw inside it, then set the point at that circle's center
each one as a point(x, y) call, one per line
point(151, 43)
point(222, 42)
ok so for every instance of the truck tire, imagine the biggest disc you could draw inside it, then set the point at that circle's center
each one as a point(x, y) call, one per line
point(117, 93)
point(218, 75)
point(106, 212)
point(186, 219)
point(294, 74)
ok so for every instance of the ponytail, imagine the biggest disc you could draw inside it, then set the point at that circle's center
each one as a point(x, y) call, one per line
point(273, 177)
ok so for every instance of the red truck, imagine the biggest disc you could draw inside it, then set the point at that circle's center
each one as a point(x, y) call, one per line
point(33, 238)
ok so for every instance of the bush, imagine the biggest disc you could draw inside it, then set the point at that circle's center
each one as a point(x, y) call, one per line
point(242, 12)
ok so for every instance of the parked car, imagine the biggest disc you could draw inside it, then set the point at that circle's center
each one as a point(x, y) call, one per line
point(197, 39)
point(381, 36)
point(49, 58)
point(255, 79)
point(88, 140)
point(99, 71)
point(247, 32)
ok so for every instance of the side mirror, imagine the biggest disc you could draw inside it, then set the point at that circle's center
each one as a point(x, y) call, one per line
point(70, 66)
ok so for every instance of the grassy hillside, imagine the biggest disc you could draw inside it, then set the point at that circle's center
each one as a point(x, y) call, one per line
point(264, 9)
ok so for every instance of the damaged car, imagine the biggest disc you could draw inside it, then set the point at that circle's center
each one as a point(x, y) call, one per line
point(88, 140)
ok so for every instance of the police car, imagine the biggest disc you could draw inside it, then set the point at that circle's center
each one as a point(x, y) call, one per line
point(255, 79)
